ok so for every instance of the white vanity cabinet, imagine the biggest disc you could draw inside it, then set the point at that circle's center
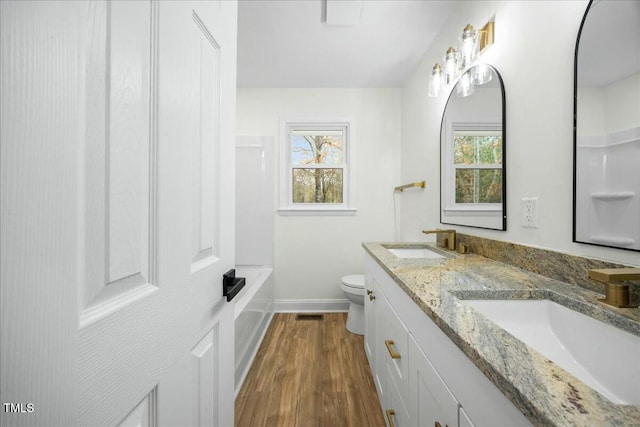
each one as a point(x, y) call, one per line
point(432, 381)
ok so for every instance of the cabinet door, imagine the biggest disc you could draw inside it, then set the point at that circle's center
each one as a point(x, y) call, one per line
point(378, 348)
point(464, 419)
point(369, 317)
point(395, 409)
point(432, 401)
point(394, 339)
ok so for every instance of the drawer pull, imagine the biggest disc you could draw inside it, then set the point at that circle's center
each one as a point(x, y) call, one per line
point(390, 414)
point(369, 291)
point(440, 425)
point(392, 353)
point(372, 297)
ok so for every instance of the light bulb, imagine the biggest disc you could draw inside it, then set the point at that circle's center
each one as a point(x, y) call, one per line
point(468, 46)
point(451, 66)
point(481, 74)
point(465, 86)
point(435, 81)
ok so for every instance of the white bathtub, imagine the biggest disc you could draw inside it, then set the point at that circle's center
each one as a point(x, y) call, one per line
point(253, 313)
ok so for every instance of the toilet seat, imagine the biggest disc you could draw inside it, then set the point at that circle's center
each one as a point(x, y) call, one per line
point(354, 281)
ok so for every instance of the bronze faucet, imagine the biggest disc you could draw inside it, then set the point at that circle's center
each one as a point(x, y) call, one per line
point(449, 241)
point(616, 293)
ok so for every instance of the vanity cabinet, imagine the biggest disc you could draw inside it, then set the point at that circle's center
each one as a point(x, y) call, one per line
point(423, 378)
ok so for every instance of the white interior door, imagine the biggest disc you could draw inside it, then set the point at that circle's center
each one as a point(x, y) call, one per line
point(117, 153)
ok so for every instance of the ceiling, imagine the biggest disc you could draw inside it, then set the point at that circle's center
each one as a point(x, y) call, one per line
point(297, 43)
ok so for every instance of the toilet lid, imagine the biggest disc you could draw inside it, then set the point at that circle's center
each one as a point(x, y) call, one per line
point(354, 281)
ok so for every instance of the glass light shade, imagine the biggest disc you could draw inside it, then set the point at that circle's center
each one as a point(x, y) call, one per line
point(468, 46)
point(465, 86)
point(451, 65)
point(435, 81)
point(481, 74)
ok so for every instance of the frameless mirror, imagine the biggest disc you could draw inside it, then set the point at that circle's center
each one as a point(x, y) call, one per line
point(606, 209)
point(472, 152)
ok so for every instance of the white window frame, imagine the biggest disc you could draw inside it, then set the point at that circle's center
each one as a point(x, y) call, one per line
point(450, 206)
point(287, 207)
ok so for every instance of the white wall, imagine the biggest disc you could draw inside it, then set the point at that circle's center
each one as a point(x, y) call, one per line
point(534, 53)
point(313, 252)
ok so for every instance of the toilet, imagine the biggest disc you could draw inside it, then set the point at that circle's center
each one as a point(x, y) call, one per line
point(353, 288)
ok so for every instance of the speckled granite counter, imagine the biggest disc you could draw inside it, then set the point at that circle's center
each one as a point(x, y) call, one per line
point(543, 391)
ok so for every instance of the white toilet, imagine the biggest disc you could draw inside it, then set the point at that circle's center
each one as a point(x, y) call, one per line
point(353, 288)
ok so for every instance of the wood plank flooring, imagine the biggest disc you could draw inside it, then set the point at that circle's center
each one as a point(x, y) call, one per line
point(309, 373)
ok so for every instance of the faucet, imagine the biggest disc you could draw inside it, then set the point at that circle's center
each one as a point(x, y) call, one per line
point(617, 294)
point(449, 241)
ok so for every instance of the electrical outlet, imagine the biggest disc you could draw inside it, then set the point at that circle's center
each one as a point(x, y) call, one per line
point(530, 212)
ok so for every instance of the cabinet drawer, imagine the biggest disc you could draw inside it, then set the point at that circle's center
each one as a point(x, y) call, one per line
point(394, 338)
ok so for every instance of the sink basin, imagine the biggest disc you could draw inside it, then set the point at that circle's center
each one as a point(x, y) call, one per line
point(602, 356)
point(414, 253)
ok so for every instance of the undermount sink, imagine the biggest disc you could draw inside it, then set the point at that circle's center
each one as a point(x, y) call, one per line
point(602, 356)
point(414, 253)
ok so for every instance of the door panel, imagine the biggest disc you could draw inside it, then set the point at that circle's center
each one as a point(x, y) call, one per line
point(118, 162)
point(206, 148)
point(203, 378)
point(144, 415)
point(128, 151)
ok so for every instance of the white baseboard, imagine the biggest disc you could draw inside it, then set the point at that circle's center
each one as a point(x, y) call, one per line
point(310, 305)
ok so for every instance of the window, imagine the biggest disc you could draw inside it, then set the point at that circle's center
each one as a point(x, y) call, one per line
point(317, 172)
point(474, 168)
point(477, 161)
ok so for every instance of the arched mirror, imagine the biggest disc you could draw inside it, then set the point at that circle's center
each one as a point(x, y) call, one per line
point(472, 152)
point(607, 126)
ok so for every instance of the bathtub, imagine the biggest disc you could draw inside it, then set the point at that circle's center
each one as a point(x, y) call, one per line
point(253, 313)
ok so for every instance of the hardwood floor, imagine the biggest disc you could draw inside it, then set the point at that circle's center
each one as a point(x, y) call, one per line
point(309, 373)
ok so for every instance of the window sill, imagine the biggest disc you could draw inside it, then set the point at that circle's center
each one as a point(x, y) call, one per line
point(474, 211)
point(317, 211)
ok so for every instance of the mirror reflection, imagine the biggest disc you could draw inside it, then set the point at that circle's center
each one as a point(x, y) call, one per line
point(472, 150)
point(607, 126)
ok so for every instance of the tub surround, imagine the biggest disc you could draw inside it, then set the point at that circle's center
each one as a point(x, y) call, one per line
point(544, 392)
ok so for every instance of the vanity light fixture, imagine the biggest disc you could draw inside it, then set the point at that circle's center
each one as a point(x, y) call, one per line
point(470, 44)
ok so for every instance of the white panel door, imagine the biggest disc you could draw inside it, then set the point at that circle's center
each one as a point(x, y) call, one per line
point(117, 151)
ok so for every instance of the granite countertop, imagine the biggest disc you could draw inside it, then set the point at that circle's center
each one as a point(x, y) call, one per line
point(543, 391)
